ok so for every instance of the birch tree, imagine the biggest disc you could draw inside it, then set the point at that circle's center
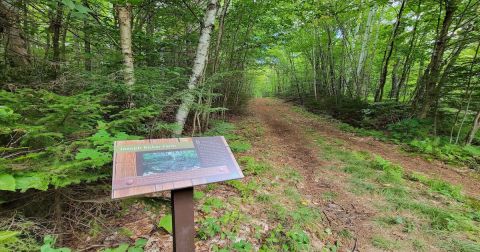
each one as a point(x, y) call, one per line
point(124, 23)
point(474, 129)
point(364, 50)
point(198, 65)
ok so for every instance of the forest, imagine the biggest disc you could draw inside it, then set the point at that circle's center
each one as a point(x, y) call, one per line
point(356, 123)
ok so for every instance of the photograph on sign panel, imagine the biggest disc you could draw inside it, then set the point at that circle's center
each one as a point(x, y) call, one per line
point(167, 161)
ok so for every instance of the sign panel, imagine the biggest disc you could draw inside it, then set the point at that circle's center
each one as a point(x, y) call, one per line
point(153, 165)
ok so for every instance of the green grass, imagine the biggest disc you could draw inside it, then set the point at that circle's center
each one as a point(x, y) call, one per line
point(385, 243)
point(418, 245)
point(439, 186)
point(461, 246)
point(252, 167)
point(440, 218)
point(359, 171)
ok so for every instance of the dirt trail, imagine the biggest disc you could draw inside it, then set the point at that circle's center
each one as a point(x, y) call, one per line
point(274, 113)
point(289, 146)
point(288, 142)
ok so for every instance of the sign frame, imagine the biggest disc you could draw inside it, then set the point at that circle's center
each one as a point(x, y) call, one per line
point(192, 157)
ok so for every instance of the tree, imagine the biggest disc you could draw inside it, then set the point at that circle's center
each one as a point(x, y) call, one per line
point(16, 49)
point(198, 65)
point(428, 93)
point(474, 129)
point(124, 22)
point(56, 25)
point(364, 51)
point(87, 41)
point(388, 54)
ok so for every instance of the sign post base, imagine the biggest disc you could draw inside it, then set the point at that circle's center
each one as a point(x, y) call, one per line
point(182, 220)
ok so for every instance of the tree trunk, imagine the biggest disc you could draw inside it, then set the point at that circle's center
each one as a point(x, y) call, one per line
point(388, 54)
point(125, 26)
point(16, 48)
point(364, 51)
point(432, 73)
point(474, 130)
point(295, 79)
point(57, 28)
point(408, 59)
point(150, 29)
point(220, 35)
point(314, 66)
point(331, 62)
point(64, 36)
point(198, 65)
point(87, 45)
point(469, 93)
point(395, 81)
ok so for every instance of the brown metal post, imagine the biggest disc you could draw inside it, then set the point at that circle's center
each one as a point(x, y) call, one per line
point(183, 223)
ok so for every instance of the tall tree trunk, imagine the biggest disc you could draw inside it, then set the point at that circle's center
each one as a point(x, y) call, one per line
point(395, 80)
point(314, 66)
point(198, 65)
point(16, 48)
point(432, 72)
point(125, 26)
point(331, 62)
point(220, 34)
point(150, 29)
point(294, 77)
point(64, 36)
point(474, 129)
point(408, 59)
point(388, 54)
point(57, 29)
point(469, 93)
point(87, 44)
point(364, 51)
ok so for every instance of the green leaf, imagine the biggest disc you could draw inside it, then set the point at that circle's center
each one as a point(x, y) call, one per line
point(166, 223)
point(141, 242)
point(69, 3)
point(23, 183)
point(48, 242)
point(8, 235)
point(7, 182)
point(122, 248)
point(138, 247)
point(99, 158)
point(82, 9)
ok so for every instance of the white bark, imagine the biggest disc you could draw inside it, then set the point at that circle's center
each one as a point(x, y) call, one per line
point(363, 50)
point(198, 64)
point(474, 130)
point(125, 25)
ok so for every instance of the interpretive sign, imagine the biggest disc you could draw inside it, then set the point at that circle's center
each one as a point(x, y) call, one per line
point(147, 166)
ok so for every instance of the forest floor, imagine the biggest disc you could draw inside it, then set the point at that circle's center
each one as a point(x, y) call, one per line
point(310, 186)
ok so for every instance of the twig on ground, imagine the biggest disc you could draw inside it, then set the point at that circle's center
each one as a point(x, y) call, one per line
point(328, 219)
